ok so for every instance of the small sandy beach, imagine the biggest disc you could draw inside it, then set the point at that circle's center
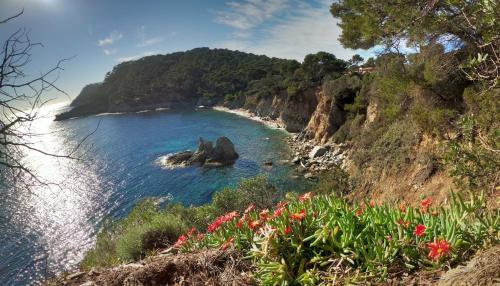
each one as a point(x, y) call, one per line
point(275, 124)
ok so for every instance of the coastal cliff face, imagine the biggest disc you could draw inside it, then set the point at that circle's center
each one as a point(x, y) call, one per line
point(293, 112)
point(326, 119)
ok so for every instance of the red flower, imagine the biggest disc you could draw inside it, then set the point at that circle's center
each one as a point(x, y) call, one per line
point(405, 224)
point(230, 216)
point(299, 216)
point(191, 232)
point(426, 203)
point(305, 197)
point(264, 215)
point(227, 243)
point(288, 230)
point(420, 230)
point(181, 241)
point(250, 208)
point(359, 212)
point(253, 224)
point(239, 224)
point(278, 212)
point(389, 238)
point(214, 225)
point(221, 220)
point(437, 249)
point(372, 203)
point(402, 207)
point(281, 205)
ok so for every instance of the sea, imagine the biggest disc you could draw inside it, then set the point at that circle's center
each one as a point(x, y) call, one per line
point(46, 229)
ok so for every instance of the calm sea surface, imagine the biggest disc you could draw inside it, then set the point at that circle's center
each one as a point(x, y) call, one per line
point(48, 229)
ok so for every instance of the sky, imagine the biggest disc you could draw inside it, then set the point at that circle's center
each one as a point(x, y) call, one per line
point(97, 34)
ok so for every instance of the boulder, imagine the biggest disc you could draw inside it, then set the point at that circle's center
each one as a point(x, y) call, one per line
point(204, 150)
point(206, 155)
point(268, 163)
point(317, 151)
point(224, 151)
point(309, 176)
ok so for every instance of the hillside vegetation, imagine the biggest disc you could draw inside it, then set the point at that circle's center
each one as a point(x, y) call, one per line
point(201, 76)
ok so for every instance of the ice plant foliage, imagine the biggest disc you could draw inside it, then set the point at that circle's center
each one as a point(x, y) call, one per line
point(310, 234)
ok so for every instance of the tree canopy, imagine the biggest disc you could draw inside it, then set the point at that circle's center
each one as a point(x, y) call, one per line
point(468, 25)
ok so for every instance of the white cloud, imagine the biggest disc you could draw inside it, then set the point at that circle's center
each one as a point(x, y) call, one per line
point(242, 34)
point(149, 42)
point(303, 31)
point(249, 13)
point(114, 37)
point(135, 57)
point(109, 52)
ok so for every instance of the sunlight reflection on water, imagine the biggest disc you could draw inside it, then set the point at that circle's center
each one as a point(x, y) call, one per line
point(55, 219)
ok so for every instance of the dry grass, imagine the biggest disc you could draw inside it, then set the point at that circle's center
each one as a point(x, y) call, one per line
point(483, 269)
point(210, 267)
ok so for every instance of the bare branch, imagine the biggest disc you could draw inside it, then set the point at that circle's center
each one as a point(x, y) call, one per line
point(16, 88)
point(12, 17)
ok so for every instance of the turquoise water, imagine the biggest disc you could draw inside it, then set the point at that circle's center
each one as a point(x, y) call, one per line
point(48, 229)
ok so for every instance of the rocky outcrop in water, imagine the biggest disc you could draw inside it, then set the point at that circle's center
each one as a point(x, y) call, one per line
point(222, 154)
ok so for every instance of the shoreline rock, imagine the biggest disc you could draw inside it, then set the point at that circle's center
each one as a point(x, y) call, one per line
point(207, 155)
point(311, 159)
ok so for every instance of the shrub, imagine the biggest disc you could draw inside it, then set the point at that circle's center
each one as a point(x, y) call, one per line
point(360, 102)
point(334, 181)
point(130, 238)
point(194, 216)
point(472, 156)
point(103, 254)
point(387, 148)
point(435, 121)
point(473, 163)
point(392, 86)
point(352, 128)
point(292, 90)
point(159, 231)
point(229, 200)
point(259, 191)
